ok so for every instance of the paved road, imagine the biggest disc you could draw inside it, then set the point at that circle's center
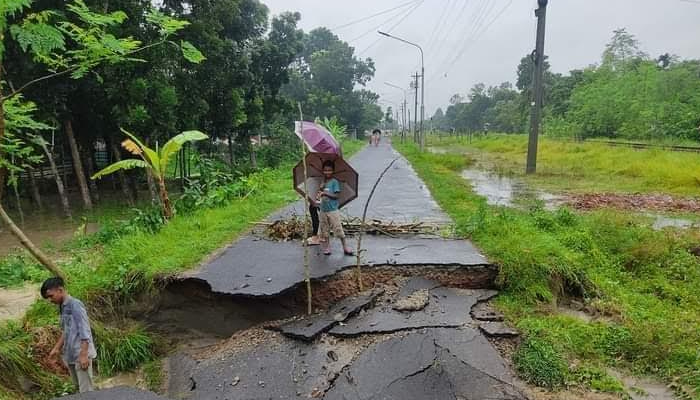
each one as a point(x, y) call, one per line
point(400, 197)
point(433, 352)
point(255, 266)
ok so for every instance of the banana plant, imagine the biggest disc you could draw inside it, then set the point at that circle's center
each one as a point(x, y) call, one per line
point(338, 130)
point(155, 161)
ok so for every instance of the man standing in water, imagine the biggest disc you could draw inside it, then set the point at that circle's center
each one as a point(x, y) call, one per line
point(75, 342)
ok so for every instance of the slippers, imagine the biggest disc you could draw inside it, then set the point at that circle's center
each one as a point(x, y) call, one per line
point(311, 242)
point(327, 252)
point(348, 252)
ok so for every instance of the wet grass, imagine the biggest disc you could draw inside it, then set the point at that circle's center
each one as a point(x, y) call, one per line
point(642, 283)
point(588, 167)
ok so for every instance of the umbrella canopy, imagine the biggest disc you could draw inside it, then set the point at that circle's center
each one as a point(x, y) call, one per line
point(344, 173)
point(317, 138)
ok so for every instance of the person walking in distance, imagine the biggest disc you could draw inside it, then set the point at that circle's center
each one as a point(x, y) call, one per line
point(330, 216)
point(75, 343)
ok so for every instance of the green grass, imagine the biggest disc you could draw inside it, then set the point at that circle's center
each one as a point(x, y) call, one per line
point(586, 167)
point(644, 282)
point(540, 364)
point(153, 375)
point(121, 349)
point(18, 268)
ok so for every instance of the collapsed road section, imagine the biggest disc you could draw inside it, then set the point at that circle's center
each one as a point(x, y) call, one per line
point(368, 346)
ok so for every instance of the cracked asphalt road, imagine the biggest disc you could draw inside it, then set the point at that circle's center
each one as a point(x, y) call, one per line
point(254, 266)
point(373, 352)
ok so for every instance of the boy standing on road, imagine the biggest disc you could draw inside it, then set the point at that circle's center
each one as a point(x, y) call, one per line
point(75, 342)
point(330, 216)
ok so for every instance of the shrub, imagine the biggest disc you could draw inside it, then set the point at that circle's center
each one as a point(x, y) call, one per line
point(539, 363)
point(121, 349)
point(15, 269)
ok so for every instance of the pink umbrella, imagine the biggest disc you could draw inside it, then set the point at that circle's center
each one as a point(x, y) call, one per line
point(317, 138)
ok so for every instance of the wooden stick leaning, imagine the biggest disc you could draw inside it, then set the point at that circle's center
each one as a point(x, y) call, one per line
point(363, 224)
point(307, 268)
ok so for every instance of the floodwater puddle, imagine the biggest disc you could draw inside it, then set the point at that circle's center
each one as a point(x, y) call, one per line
point(664, 221)
point(15, 302)
point(501, 190)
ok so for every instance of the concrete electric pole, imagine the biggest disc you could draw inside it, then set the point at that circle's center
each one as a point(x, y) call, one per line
point(415, 110)
point(537, 91)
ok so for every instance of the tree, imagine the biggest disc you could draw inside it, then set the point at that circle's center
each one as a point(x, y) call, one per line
point(155, 161)
point(622, 50)
point(67, 48)
point(325, 80)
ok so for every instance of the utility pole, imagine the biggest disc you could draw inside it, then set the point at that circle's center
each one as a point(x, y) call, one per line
point(422, 104)
point(537, 91)
point(409, 119)
point(415, 110)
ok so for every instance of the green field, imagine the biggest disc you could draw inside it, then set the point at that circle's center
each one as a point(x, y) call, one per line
point(584, 167)
point(640, 285)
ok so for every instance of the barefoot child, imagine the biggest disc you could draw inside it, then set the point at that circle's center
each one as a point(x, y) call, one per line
point(330, 216)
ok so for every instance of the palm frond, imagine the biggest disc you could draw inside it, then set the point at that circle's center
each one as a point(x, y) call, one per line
point(175, 144)
point(121, 165)
point(148, 154)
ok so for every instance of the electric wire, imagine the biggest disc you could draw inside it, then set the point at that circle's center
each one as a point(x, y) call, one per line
point(477, 34)
point(390, 29)
point(374, 28)
point(479, 9)
point(367, 18)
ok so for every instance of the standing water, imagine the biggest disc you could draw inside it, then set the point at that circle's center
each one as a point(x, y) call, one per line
point(505, 191)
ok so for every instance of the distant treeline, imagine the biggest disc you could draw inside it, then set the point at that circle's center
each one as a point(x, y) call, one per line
point(627, 95)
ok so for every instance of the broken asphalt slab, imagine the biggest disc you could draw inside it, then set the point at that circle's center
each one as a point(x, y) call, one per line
point(281, 369)
point(425, 364)
point(446, 307)
point(257, 267)
point(498, 330)
point(431, 364)
point(117, 393)
point(311, 327)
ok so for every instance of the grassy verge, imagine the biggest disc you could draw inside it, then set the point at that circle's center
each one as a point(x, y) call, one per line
point(588, 167)
point(643, 285)
point(111, 267)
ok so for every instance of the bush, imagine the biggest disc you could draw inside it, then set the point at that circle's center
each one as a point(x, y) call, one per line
point(539, 363)
point(121, 349)
point(15, 269)
point(16, 363)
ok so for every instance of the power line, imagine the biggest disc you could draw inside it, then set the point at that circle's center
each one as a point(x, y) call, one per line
point(451, 27)
point(439, 25)
point(478, 34)
point(479, 8)
point(389, 30)
point(363, 19)
point(374, 28)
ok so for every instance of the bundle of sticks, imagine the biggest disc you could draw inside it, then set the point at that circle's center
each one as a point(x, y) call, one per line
point(293, 228)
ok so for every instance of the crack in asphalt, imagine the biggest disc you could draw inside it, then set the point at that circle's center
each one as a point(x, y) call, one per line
point(470, 365)
point(420, 371)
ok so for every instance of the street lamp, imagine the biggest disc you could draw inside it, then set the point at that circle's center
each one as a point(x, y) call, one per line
point(422, 83)
point(403, 110)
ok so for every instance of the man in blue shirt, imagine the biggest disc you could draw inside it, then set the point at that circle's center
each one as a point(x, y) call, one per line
point(75, 342)
point(330, 216)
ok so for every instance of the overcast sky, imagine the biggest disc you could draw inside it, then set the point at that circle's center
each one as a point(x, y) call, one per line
point(471, 41)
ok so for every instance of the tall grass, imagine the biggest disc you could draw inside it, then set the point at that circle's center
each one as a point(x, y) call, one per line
point(121, 349)
point(643, 282)
point(590, 166)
